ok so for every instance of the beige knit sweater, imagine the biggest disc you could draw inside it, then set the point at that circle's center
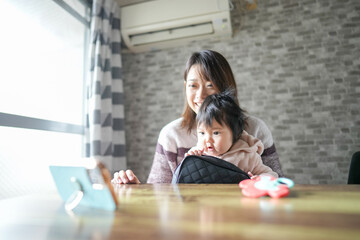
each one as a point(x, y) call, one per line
point(245, 153)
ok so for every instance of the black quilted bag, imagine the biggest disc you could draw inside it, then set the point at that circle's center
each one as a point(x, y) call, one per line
point(207, 169)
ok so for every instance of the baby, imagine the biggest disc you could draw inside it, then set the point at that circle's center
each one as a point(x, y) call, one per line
point(220, 132)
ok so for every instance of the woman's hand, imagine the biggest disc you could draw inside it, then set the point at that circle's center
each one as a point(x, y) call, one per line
point(125, 177)
point(194, 151)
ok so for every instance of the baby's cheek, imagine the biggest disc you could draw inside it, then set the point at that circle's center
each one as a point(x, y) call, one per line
point(200, 141)
point(200, 145)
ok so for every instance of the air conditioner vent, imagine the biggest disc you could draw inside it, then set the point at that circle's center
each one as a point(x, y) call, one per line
point(171, 34)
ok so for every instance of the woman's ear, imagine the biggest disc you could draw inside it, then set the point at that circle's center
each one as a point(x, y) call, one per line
point(185, 87)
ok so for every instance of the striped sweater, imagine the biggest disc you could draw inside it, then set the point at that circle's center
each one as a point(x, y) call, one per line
point(174, 141)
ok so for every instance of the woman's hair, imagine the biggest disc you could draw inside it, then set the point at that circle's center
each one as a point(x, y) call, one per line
point(213, 67)
point(223, 108)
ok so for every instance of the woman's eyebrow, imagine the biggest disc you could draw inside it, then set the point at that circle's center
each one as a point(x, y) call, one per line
point(192, 80)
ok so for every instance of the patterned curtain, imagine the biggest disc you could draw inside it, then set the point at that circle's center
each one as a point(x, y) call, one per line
point(105, 132)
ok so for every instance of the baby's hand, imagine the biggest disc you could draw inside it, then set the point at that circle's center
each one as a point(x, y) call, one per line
point(194, 151)
point(252, 176)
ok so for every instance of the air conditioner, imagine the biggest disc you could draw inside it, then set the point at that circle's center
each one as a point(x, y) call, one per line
point(162, 24)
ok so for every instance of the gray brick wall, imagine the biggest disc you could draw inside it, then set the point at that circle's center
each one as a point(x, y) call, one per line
point(297, 66)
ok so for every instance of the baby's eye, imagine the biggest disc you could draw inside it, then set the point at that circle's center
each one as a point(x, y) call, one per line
point(201, 133)
point(216, 133)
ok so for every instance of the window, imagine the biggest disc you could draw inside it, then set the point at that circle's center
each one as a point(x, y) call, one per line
point(43, 55)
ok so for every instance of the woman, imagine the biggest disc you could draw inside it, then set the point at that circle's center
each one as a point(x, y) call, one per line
point(207, 72)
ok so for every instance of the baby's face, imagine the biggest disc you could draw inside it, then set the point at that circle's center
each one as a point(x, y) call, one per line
point(215, 140)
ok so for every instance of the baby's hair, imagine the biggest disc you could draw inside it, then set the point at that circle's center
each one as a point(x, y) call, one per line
point(223, 108)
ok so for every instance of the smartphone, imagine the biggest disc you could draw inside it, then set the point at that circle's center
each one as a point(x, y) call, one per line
point(88, 184)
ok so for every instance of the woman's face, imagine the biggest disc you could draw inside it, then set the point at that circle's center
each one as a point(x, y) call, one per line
point(197, 89)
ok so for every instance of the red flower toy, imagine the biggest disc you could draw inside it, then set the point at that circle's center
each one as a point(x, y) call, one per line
point(266, 185)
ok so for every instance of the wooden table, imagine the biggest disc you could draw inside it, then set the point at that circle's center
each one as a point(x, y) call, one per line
point(190, 212)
